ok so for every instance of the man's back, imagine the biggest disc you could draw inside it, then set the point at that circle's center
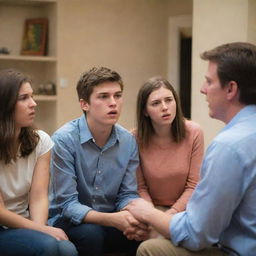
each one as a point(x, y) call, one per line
point(227, 191)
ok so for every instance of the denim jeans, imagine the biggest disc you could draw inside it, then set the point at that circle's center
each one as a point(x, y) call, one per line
point(94, 240)
point(27, 242)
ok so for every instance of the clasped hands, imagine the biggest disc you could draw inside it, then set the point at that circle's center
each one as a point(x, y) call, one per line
point(133, 227)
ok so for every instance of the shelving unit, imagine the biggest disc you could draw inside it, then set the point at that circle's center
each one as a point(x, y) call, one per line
point(41, 69)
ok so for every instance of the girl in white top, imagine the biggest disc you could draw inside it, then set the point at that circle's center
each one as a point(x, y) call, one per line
point(24, 175)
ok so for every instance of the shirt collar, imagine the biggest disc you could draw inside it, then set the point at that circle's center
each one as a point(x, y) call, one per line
point(85, 133)
point(242, 114)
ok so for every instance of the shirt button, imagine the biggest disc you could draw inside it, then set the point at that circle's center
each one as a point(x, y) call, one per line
point(99, 171)
point(93, 200)
point(96, 188)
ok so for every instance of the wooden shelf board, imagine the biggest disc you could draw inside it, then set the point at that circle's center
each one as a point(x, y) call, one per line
point(38, 97)
point(28, 58)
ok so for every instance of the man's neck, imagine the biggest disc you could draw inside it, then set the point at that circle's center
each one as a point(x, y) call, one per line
point(233, 111)
point(100, 133)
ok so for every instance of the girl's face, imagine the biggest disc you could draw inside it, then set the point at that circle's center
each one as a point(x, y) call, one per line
point(161, 107)
point(25, 107)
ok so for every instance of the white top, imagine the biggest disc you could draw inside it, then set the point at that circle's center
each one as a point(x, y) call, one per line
point(16, 177)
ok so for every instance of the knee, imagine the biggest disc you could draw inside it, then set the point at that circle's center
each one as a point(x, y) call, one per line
point(49, 246)
point(143, 249)
point(66, 248)
point(155, 247)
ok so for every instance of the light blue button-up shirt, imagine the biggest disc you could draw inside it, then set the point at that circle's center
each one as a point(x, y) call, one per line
point(85, 176)
point(222, 209)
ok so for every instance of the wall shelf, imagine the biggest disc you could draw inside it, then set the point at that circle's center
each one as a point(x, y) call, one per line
point(38, 97)
point(28, 58)
point(40, 69)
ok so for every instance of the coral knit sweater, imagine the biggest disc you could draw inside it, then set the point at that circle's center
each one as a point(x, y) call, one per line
point(167, 176)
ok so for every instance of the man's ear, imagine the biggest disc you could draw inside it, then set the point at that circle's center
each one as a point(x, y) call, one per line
point(232, 90)
point(84, 105)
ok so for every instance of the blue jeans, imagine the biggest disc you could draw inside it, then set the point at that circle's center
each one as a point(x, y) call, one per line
point(27, 242)
point(94, 240)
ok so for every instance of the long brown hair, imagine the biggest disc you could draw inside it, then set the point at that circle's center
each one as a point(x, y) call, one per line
point(10, 83)
point(145, 129)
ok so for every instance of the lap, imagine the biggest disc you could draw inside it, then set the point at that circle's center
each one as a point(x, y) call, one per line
point(93, 239)
point(164, 247)
point(28, 242)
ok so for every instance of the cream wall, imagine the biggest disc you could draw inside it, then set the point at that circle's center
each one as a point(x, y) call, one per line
point(214, 23)
point(129, 36)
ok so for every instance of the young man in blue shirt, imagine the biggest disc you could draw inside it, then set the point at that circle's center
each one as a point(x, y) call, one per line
point(220, 218)
point(93, 170)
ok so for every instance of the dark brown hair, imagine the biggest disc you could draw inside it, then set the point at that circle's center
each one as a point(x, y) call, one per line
point(94, 77)
point(145, 129)
point(10, 83)
point(236, 62)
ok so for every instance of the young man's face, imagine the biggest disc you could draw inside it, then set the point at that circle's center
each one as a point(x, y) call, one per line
point(105, 104)
point(215, 94)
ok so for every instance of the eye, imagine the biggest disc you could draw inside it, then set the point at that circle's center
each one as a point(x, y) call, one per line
point(118, 95)
point(168, 100)
point(23, 97)
point(103, 96)
point(208, 81)
point(155, 103)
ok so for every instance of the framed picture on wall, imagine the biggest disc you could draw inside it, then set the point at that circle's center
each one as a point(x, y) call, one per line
point(35, 37)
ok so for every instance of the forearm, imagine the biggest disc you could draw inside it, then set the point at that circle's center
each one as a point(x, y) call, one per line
point(159, 220)
point(39, 211)
point(13, 220)
point(100, 218)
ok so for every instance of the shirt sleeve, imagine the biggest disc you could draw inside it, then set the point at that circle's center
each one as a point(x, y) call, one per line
point(211, 207)
point(45, 143)
point(64, 181)
point(194, 169)
point(128, 188)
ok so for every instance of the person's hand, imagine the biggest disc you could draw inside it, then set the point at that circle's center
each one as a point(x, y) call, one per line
point(139, 232)
point(171, 211)
point(139, 208)
point(132, 228)
point(123, 220)
point(57, 233)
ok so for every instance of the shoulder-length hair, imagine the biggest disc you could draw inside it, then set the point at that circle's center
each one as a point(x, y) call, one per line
point(10, 83)
point(145, 128)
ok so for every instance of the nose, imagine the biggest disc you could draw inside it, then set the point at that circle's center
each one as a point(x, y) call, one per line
point(164, 106)
point(203, 89)
point(112, 101)
point(32, 103)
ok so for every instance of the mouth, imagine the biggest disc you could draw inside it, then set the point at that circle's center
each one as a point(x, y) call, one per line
point(32, 114)
point(112, 113)
point(166, 116)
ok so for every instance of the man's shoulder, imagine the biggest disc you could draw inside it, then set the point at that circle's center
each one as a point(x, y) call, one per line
point(123, 132)
point(69, 130)
point(239, 139)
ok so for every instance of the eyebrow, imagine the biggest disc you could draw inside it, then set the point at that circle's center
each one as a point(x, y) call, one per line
point(109, 92)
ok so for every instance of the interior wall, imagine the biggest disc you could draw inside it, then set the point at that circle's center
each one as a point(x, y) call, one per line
point(214, 23)
point(129, 36)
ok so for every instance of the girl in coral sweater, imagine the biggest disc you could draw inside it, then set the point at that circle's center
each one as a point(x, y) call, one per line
point(171, 147)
